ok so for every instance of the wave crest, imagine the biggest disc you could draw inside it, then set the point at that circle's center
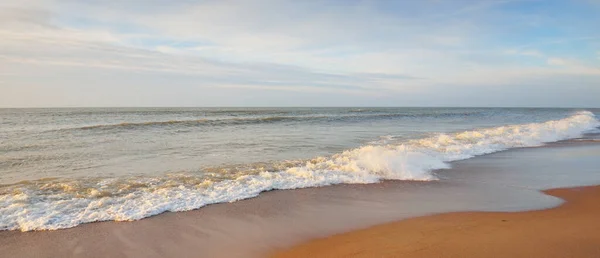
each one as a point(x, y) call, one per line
point(352, 116)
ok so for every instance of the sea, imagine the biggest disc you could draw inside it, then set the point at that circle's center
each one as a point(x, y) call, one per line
point(60, 168)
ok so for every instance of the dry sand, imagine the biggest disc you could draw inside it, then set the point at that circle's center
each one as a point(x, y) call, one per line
point(570, 230)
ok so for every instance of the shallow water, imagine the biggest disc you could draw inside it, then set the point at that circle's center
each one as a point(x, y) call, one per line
point(63, 167)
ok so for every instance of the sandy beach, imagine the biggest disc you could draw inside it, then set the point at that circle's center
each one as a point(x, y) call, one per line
point(253, 129)
point(570, 230)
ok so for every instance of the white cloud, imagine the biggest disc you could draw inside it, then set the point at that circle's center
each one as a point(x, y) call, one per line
point(527, 52)
point(572, 66)
point(288, 46)
point(556, 61)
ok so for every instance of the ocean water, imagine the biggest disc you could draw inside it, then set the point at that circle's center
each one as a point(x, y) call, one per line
point(63, 167)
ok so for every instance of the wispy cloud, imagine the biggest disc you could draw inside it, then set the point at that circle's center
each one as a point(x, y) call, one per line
point(556, 61)
point(556, 41)
point(376, 49)
point(529, 52)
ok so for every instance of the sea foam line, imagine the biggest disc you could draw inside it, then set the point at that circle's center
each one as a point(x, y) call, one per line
point(56, 204)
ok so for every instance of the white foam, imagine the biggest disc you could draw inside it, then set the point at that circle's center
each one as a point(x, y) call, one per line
point(63, 204)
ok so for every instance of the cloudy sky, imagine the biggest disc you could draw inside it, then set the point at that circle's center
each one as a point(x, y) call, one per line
point(299, 53)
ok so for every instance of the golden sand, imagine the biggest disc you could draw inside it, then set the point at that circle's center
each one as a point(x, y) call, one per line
point(570, 230)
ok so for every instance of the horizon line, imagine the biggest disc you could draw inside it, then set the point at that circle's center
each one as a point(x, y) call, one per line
point(75, 107)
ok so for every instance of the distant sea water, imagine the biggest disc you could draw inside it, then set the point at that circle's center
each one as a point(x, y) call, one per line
point(63, 167)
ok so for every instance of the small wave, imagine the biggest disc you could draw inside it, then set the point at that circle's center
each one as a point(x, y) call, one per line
point(155, 123)
point(358, 110)
point(198, 122)
point(586, 140)
point(267, 119)
point(56, 204)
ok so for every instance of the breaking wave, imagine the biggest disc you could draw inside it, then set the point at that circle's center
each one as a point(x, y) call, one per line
point(59, 203)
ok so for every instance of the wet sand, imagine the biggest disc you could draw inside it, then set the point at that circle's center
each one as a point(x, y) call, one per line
point(276, 220)
point(570, 230)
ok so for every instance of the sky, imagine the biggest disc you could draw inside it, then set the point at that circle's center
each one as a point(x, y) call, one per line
point(80, 53)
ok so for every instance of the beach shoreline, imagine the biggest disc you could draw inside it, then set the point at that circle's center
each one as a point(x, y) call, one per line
point(570, 230)
point(278, 220)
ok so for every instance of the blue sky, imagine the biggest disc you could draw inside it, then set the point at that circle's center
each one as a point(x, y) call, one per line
point(58, 53)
